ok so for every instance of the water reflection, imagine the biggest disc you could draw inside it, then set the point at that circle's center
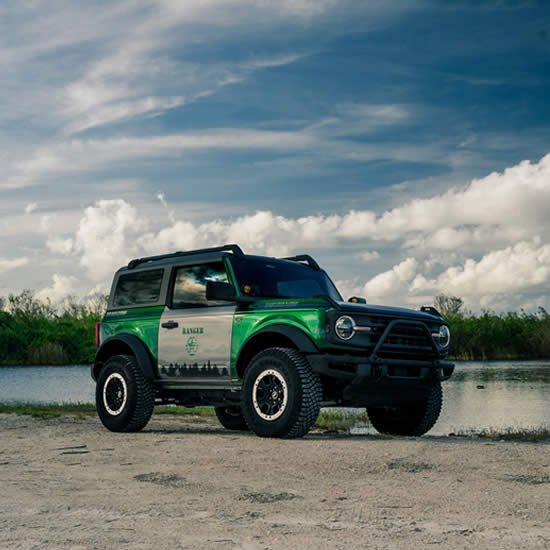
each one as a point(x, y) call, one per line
point(496, 394)
point(513, 371)
point(491, 394)
point(71, 384)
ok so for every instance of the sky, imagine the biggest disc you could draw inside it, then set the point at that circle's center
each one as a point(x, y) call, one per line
point(405, 145)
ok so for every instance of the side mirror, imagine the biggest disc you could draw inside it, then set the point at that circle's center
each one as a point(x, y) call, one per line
point(220, 291)
point(357, 300)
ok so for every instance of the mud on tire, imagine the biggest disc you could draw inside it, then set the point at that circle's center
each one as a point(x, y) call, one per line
point(124, 397)
point(410, 419)
point(281, 394)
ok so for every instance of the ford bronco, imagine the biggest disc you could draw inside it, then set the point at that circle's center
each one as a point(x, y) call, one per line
point(265, 341)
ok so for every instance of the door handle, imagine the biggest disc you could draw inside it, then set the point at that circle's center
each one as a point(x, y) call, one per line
point(170, 324)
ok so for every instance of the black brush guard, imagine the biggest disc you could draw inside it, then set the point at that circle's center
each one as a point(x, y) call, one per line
point(370, 379)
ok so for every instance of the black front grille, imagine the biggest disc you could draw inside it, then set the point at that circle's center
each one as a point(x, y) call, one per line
point(407, 340)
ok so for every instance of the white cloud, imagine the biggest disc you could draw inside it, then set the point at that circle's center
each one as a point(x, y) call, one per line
point(516, 268)
point(162, 199)
point(367, 256)
point(268, 62)
point(435, 232)
point(349, 287)
point(121, 111)
point(31, 207)
point(516, 199)
point(118, 64)
point(62, 287)
point(9, 264)
point(81, 155)
point(106, 237)
point(59, 245)
point(498, 280)
point(260, 232)
point(392, 282)
point(374, 114)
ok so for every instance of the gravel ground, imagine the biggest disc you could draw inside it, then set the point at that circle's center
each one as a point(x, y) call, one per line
point(69, 483)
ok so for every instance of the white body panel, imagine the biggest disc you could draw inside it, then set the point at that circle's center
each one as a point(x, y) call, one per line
point(200, 346)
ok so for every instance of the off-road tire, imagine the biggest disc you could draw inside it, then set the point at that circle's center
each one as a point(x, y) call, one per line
point(303, 393)
point(413, 419)
point(231, 418)
point(124, 397)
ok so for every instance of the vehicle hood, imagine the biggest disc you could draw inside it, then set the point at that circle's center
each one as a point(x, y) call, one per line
point(388, 311)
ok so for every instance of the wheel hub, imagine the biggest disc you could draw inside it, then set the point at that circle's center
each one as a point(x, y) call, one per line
point(270, 395)
point(115, 394)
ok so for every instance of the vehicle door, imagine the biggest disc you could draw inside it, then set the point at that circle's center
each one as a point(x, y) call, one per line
point(195, 333)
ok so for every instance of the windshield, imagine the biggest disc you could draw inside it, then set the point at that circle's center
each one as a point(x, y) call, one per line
point(276, 279)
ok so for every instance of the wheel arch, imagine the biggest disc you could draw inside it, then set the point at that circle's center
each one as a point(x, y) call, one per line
point(125, 344)
point(280, 335)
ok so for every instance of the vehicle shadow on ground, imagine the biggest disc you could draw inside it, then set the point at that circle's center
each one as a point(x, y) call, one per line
point(315, 435)
point(312, 436)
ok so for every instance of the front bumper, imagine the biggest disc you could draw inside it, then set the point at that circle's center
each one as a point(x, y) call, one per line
point(353, 368)
point(372, 381)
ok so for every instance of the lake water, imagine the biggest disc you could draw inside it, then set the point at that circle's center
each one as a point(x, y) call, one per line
point(488, 394)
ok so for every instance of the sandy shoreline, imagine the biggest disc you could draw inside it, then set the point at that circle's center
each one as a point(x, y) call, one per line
point(69, 483)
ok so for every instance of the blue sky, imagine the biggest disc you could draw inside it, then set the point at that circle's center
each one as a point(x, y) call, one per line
point(404, 144)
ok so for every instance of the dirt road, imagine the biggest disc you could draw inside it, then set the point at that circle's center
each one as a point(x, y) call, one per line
point(69, 483)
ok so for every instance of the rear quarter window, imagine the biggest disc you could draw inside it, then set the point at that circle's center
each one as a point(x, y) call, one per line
point(138, 288)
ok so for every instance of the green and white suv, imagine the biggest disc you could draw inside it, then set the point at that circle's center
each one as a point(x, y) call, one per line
point(265, 341)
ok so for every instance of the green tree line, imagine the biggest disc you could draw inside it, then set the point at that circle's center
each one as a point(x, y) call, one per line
point(491, 335)
point(33, 332)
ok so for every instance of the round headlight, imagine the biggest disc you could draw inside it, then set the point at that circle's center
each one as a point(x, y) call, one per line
point(345, 327)
point(444, 336)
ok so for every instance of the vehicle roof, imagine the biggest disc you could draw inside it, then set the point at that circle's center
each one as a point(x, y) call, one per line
point(208, 255)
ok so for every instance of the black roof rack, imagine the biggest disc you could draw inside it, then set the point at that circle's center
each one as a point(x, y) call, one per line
point(305, 258)
point(236, 249)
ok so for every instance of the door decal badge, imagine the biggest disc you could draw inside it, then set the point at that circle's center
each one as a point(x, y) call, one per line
point(193, 330)
point(192, 345)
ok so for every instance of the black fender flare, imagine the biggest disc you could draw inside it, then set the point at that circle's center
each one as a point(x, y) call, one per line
point(122, 343)
point(298, 337)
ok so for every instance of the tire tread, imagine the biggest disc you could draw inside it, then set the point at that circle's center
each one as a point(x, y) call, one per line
point(407, 422)
point(145, 401)
point(310, 391)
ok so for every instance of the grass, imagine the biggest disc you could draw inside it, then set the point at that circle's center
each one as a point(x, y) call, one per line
point(88, 409)
point(532, 433)
point(333, 420)
point(79, 410)
point(340, 420)
point(330, 420)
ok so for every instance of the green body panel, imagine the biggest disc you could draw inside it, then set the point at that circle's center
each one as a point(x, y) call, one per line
point(142, 322)
point(306, 315)
point(310, 320)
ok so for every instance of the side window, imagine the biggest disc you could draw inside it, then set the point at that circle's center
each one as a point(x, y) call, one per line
point(137, 288)
point(190, 285)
